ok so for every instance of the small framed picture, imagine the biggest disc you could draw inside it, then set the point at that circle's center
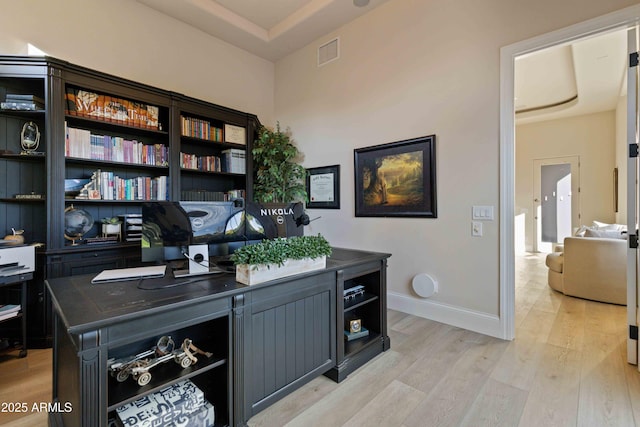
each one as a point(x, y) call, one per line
point(235, 134)
point(323, 187)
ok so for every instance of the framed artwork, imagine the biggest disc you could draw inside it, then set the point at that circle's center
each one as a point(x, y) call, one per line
point(397, 179)
point(323, 187)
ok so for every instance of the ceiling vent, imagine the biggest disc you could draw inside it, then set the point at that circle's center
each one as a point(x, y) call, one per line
point(329, 52)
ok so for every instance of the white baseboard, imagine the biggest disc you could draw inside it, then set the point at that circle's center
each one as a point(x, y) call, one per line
point(475, 321)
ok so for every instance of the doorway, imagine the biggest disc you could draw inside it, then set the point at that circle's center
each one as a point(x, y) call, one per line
point(622, 19)
point(556, 200)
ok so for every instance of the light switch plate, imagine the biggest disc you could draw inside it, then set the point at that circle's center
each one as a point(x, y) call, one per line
point(482, 213)
point(476, 228)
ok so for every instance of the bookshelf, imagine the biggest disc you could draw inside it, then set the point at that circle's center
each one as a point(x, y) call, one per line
point(207, 172)
point(125, 135)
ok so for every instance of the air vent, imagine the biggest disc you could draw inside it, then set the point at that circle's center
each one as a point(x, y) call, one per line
point(328, 52)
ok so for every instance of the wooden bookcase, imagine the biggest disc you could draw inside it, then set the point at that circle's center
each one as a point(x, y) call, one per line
point(44, 175)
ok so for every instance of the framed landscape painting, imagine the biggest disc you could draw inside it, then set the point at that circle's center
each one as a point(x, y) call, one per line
point(397, 179)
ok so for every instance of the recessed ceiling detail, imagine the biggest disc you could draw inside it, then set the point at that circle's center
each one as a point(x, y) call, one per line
point(545, 79)
point(270, 29)
point(584, 77)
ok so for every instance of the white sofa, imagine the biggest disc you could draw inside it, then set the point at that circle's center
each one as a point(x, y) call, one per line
point(592, 268)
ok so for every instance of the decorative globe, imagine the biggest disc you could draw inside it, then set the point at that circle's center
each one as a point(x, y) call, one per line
point(77, 222)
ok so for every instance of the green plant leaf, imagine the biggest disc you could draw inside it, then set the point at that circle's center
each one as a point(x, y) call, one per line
point(276, 251)
point(278, 178)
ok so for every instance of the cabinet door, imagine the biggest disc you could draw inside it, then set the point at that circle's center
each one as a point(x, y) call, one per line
point(289, 338)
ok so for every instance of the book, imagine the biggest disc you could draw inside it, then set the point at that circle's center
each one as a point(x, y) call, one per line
point(21, 106)
point(355, 335)
point(20, 97)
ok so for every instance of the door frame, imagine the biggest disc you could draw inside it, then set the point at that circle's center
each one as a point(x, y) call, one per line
point(621, 19)
point(574, 163)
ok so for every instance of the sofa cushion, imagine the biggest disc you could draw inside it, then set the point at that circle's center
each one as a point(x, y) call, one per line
point(554, 261)
point(605, 226)
point(605, 233)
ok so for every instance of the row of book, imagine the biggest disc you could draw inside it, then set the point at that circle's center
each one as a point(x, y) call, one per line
point(82, 144)
point(108, 186)
point(211, 196)
point(199, 128)
point(23, 102)
point(84, 103)
point(201, 163)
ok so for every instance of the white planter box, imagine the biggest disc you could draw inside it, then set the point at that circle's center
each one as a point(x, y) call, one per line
point(254, 274)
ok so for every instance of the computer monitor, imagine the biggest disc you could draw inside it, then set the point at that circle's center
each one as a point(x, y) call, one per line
point(171, 229)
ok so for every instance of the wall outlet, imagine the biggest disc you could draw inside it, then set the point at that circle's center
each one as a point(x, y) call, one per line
point(476, 228)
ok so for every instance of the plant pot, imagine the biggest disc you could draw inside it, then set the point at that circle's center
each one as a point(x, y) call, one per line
point(110, 229)
point(254, 274)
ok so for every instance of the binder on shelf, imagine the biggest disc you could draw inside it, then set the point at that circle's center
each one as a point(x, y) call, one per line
point(234, 161)
point(8, 311)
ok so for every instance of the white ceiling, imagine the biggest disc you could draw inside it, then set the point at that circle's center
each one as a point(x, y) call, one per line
point(584, 77)
point(270, 29)
point(574, 79)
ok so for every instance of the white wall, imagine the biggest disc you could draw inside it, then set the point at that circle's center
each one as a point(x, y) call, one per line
point(592, 138)
point(128, 39)
point(411, 68)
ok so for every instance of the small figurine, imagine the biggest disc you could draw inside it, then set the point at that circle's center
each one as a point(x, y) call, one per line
point(139, 365)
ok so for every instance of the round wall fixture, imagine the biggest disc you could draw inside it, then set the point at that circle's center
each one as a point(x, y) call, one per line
point(424, 285)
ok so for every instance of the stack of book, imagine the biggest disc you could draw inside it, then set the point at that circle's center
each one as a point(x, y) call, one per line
point(182, 403)
point(24, 102)
point(8, 311)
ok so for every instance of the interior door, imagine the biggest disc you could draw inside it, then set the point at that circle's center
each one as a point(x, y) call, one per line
point(556, 201)
point(632, 196)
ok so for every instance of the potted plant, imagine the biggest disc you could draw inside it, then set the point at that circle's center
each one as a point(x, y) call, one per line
point(111, 226)
point(279, 178)
point(272, 259)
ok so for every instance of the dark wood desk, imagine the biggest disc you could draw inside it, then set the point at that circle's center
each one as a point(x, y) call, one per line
point(267, 339)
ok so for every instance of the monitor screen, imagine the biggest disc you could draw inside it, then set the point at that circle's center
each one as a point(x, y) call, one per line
point(168, 228)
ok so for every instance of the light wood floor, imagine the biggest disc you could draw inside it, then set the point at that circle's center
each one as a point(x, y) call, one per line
point(566, 367)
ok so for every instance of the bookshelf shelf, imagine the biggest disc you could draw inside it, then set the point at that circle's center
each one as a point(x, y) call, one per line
point(18, 200)
point(23, 157)
point(209, 143)
point(199, 172)
point(112, 164)
point(26, 114)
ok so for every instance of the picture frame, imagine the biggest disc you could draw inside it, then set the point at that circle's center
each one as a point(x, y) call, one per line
point(323, 187)
point(397, 179)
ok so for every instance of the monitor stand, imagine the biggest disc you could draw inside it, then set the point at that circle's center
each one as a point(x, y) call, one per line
point(198, 262)
point(186, 273)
